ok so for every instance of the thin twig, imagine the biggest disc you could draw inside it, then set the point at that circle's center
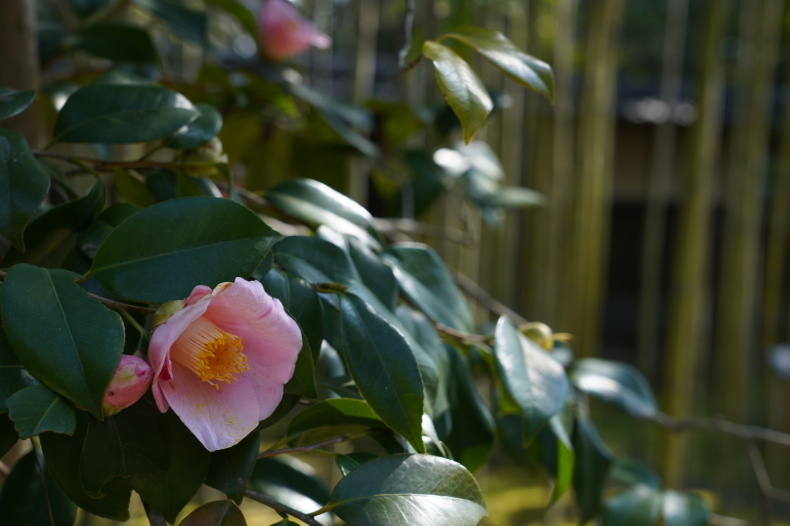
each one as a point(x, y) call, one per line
point(131, 321)
point(464, 337)
point(117, 305)
point(724, 427)
point(304, 449)
point(484, 298)
point(282, 509)
point(398, 224)
point(761, 474)
point(408, 26)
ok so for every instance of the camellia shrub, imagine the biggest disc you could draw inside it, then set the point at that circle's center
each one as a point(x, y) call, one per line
point(158, 318)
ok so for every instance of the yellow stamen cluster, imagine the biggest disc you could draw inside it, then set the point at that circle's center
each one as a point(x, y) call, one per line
point(210, 352)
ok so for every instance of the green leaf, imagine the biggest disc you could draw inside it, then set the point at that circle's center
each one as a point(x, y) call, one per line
point(131, 187)
point(350, 462)
point(122, 113)
point(314, 260)
point(565, 461)
point(332, 418)
point(231, 468)
point(117, 42)
point(152, 257)
point(185, 23)
point(52, 235)
point(629, 472)
point(25, 500)
point(36, 409)
point(13, 377)
point(168, 492)
point(593, 460)
point(471, 435)
point(461, 87)
point(291, 482)
point(63, 453)
point(424, 279)
point(218, 513)
point(13, 102)
point(404, 490)
point(316, 204)
point(617, 383)
point(240, 12)
point(528, 71)
point(374, 273)
point(8, 434)
point(199, 131)
point(535, 381)
point(638, 504)
point(23, 186)
point(63, 337)
point(133, 442)
point(683, 509)
point(510, 197)
point(384, 368)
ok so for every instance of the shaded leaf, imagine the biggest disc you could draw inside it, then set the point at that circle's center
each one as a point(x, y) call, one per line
point(218, 513)
point(332, 418)
point(13, 102)
point(535, 381)
point(8, 434)
point(63, 337)
point(231, 468)
point(184, 22)
point(461, 87)
point(314, 260)
point(118, 42)
point(23, 186)
point(26, 501)
point(240, 12)
point(404, 490)
point(496, 47)
point(617, 383)
point(291, 482)
point(199, 131)
point(384, 368)
point(13, 377)
point(593, 460)
point(151, 257)
point(122, 113)
point(36, 409)
point(350, 462)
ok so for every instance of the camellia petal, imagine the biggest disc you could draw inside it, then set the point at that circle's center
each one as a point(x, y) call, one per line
point(221, 362)
point(284, 33)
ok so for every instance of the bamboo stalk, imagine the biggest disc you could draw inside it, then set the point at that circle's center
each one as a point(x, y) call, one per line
point(688, 333)
point(658, 188)
point(593, 191)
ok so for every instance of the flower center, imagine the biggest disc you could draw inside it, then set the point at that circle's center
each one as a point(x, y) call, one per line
point(210, 352)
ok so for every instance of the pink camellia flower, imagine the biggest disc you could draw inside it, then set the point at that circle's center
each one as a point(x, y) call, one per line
point(131, 380)
point(284, 33)
point(221, 358)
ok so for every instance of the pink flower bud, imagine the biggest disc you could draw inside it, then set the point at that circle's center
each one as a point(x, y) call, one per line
point(129, 383)
point(284, 33)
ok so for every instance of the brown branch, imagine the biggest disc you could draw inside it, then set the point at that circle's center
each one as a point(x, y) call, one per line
point(282, 509)
point(397, 224)
point(304, 449)
point(4, 469)
point(725, 427)
point(761, 474)
point(484, 298)
point(461, 336)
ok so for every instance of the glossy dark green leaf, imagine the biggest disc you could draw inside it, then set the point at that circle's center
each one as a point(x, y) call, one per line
point(332, 418)
point(8, 434)
point(131, 187)
point(384, 368)
point(461, 87)
point(314, 260)
point(13, 377)
point(471, 435)
point(350, 462)
point(26, 501)
point(217, 513)
point(62, 453)
point(152, 257)
point(63, 337)
point(617, 383)
point(122, 113)
point(291, 482)
point(168, 492)
point(375, 274)
point(91, 238)
point(683, 509)
point(184, 22)
point(117, 42)
point(36, 409)
point(316, 204)
point(231, 468)
point(199, 131)
point(13, 102)
point(524, 69)
point(424, 279)
point(51, 236)
point(535, 381)
point(638, 504)
point(133, 442)
point(23, 186)
point(404, 490)
point(240, 12)
point(593, 460)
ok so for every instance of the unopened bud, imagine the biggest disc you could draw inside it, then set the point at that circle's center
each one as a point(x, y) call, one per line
point(129, 383)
